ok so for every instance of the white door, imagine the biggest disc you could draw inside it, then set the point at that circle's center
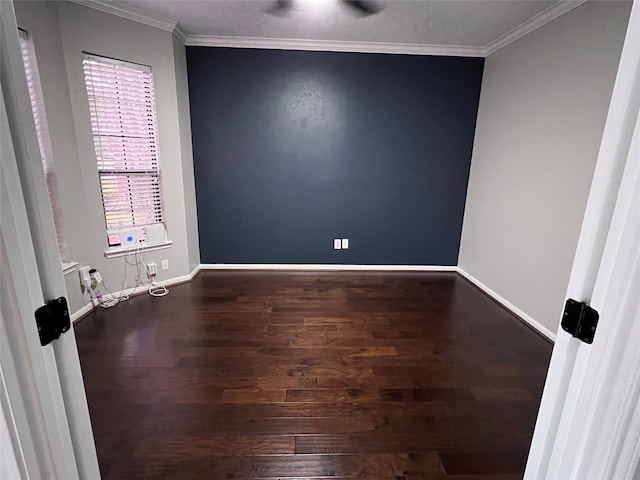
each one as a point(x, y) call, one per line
point(588, 425)
point(42, 390)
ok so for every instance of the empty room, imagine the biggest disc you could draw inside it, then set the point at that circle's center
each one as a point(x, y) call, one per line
point(313, 239)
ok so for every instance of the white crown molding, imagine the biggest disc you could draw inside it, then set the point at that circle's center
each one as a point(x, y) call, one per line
point(556, 10)
point(547, 15)
point(180, 34)
point(333, 46)
point(129, 13)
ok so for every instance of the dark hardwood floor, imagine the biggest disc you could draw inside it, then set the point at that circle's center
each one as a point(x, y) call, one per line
point(312, 375)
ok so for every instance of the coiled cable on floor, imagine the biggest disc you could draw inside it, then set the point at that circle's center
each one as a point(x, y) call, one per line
point(156, 290)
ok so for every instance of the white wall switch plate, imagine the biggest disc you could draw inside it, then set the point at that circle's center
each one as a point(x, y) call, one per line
point(337, 243)
point(345, 243)
point(165, 264)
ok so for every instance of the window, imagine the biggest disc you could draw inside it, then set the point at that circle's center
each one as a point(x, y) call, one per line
point(123, 121)
point(42, 131)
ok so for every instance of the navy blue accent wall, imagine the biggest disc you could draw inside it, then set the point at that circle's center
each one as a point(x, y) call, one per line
point(293, 149)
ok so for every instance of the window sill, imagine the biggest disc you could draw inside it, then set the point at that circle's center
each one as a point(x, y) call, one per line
point(68, 267)
point(115, 252)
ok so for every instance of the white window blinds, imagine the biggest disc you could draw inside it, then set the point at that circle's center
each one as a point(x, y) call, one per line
point(123, 120)
point(42, 131)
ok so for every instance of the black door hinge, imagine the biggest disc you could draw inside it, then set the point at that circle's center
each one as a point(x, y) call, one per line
point(52, 320)
point(580, 320)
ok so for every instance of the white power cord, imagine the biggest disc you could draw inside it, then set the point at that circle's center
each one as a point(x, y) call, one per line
point(154, 289)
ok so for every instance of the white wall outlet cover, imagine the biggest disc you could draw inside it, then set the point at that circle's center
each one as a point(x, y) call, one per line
point(165, 264)
point(345, 243)
point(337, 243)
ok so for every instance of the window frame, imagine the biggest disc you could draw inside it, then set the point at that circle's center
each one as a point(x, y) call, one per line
point(154, 175)
point(39, 111)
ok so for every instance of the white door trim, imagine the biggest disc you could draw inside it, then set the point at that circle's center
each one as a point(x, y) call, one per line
point(582, 377)
point(604, 389)
point(29, 371)
point(61, 370)
point(616, 387)
point(12, 464)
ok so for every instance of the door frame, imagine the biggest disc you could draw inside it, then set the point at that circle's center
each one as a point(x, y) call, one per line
point(67, 425)
point(588, 383)
point(30, 396)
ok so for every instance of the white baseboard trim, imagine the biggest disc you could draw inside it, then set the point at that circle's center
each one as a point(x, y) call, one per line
point(255, 266)
point(509, 306)
point(132, 292)
point(328, 267)
point(195, 271)
point(75, 316)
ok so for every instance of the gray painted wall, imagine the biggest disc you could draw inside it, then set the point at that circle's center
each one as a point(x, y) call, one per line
point(40, 19)
point(184, 121)
point(62, 31)
point(542, 111)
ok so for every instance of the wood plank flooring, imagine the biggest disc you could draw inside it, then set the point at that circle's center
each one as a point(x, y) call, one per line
point(260, 375)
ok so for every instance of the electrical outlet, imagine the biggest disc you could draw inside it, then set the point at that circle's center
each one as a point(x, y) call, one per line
point(345, 243)
point(337, 244)
point(165, 264)
point(152, 269)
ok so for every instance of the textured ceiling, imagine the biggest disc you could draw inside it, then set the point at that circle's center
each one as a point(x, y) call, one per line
point(474, 23)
